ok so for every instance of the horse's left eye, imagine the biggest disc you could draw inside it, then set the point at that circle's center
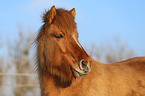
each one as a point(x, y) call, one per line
point(59, 36)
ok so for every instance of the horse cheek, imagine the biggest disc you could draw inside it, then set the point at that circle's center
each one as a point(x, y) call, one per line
point(62, 46)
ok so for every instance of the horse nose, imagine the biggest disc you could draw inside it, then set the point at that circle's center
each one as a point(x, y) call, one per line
point(84, 65)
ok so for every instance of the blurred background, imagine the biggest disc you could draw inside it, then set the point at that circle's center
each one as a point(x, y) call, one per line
point(109, 30)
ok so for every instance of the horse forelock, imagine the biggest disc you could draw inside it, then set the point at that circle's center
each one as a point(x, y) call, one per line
point(64, 20)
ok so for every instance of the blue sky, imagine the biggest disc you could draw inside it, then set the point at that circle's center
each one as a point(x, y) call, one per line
point(97, 20)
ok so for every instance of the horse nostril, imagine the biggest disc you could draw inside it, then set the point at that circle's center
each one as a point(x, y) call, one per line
point(83, 64)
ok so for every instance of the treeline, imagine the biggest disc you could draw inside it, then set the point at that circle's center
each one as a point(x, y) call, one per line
point(19, 59)
point(111, 51)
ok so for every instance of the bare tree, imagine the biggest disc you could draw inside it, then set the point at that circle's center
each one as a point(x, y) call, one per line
point(110, 52)
point(1, 77)
point(21, 58)
point(1, 70)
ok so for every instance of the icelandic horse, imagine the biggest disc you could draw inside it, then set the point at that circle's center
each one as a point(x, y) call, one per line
point(65, 69)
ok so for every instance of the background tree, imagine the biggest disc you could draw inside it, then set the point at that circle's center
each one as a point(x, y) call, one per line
point(1, 70)
point(1, 77)
point(21, 57)
point(111, 51)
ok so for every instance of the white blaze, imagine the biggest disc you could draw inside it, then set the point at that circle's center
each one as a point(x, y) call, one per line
point(77, 42)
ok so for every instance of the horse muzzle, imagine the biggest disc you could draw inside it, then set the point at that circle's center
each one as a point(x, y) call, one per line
point(84, 67)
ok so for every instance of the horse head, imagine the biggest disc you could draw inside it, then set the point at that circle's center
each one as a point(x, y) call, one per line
point(59, 52)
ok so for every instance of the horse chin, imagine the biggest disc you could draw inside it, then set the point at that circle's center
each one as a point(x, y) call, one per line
point(80, 73)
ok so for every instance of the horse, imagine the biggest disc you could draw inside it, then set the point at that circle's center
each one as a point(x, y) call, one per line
point(65, 69)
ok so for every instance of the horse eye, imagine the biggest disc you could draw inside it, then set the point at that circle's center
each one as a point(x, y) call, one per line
point(59, 36)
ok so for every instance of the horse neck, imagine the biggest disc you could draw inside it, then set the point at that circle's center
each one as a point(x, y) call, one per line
point(49, 88)
point(47, 85)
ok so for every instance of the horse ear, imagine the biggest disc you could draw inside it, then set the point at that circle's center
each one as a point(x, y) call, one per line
point(73, 12)
point(51, 14)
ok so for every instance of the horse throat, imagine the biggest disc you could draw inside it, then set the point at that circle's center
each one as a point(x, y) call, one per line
point(50, 82)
